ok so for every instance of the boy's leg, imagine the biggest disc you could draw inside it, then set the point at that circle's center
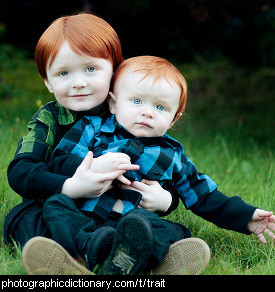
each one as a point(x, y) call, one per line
point(179, 253)
point(25, 221)
point(141, 238)
point(132, 246)
point(170, 254)
point(76, 232)
point(64, 221)
point(165, 233)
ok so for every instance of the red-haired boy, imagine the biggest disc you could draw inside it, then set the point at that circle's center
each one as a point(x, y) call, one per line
point(76, 57)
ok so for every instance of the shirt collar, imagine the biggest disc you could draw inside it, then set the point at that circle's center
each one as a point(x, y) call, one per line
point(65, 116)
point(68, 117)
point(111, 125)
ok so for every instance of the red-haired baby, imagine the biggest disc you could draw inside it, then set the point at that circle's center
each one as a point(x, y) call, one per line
point(148, 96)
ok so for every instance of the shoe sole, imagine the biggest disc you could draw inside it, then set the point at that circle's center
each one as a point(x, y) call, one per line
point(132, 247)
point(185, 257)
point(101, 237)
point(43, 256)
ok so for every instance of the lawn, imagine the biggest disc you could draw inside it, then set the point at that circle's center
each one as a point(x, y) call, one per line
point(226, 132)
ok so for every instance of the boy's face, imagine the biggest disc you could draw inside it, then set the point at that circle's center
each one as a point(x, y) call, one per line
point(144, 108)
point(79, 82)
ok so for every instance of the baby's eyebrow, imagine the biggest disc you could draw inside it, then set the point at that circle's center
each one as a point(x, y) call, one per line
point(58, 68)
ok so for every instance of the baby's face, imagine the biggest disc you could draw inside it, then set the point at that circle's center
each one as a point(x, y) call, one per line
point(142, 107)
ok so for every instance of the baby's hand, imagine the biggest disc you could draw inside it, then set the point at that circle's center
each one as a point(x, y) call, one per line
point(110, 162)
point(261, 222)
point(154, 197)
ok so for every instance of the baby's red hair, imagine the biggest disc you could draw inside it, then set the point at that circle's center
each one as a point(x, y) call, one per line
point(85, 33)
point(157, 68)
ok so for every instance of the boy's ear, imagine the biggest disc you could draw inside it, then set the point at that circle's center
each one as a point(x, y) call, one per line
point(48, 85)
point(112, 102)
point(178, 115)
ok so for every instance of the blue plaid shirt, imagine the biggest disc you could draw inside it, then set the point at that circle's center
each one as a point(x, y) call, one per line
point(160, 158)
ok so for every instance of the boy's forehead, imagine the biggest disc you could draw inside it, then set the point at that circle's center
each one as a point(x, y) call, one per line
point(67, 56)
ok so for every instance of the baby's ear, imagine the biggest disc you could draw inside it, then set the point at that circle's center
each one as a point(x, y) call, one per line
point(48, 85)
point(112, 102)
point(178, 115)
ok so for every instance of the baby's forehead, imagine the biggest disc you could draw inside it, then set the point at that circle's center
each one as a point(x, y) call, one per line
point(140, 84)
point(142, 78)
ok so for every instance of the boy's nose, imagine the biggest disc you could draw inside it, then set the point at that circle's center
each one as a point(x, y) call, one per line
point(79, 83)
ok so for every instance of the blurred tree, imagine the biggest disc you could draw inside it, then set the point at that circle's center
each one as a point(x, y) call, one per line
point(176, 29)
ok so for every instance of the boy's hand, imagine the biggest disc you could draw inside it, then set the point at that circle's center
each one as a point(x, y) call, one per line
point(86, 183)
point(154, 197)
point(261, 222)
point(110, 162)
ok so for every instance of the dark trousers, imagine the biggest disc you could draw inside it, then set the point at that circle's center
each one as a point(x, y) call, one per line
point(25, 221)
point(71, 228)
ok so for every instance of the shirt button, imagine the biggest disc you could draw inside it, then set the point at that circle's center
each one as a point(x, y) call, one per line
point(139, 143)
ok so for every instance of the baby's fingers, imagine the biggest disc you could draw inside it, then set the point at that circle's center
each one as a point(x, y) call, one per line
point(262, 238)
point(106, 176)
point(127, 166)
point(123, 180)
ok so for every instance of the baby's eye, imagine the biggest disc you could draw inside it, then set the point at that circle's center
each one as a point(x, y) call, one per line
point(160, 107)
point(64, 73)
point(90, 69)
point(137, 101)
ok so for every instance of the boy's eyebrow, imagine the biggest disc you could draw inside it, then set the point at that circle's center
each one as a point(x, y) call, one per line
point(84, 64)
point(58, 68)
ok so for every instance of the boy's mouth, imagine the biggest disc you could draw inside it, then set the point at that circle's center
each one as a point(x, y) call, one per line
point(80, 96)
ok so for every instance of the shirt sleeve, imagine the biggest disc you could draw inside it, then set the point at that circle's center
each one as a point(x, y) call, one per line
point(28, 172)
point(226, 212)
point(191, 184)
point(73, 147)
point(42, 137)
point(29, 176)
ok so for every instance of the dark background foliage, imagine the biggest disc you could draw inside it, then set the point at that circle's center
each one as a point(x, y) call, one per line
point(243, 30)
point(224, 48)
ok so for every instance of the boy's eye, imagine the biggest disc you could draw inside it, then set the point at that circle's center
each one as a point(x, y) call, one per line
point(90, 69)
point(160, 107)
point(64, 73)
point(137, 101)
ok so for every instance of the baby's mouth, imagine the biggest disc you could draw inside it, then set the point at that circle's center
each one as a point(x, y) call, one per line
point(145, 124)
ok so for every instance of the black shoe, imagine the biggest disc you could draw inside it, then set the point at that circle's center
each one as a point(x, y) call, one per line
point(132, 247)
point(99, 246)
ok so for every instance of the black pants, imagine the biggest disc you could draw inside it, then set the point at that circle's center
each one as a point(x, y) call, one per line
point(71, 228)
point(25, 221)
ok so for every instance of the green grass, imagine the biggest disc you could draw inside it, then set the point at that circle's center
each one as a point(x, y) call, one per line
point(248, 173)
point(225, 149)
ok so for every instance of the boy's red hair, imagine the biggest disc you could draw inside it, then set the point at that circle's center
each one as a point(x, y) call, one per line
point(157, 68)
point(85, 33)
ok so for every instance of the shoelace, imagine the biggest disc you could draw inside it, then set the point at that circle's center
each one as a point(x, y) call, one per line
point(124, 262)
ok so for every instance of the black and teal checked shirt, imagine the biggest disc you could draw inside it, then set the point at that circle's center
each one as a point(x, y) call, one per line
point(28, 172)
point(160, 158)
